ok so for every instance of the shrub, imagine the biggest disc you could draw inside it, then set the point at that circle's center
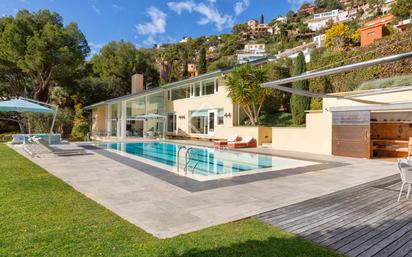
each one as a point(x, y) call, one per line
point(6, 137)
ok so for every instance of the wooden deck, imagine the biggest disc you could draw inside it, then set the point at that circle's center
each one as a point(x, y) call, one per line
point(362, 221)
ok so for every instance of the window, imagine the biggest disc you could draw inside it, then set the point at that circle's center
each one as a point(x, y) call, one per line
point(171, 122)
point(208, 87)
point(180, 93)
point(198, 122)
point(371, 34)
point(220, 117)
point(155, 103)
point(196, 89)
point(135, 108)
point(169, 95)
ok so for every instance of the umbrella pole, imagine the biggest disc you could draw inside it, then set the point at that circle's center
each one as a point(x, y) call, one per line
point(54, 120)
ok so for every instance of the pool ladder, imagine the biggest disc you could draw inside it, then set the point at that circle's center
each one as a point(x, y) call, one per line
point(187, 159)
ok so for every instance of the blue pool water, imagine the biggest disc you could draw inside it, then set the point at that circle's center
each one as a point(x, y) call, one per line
point(203, 161)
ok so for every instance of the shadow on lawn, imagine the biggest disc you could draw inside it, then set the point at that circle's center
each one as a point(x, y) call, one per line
point(272, 247)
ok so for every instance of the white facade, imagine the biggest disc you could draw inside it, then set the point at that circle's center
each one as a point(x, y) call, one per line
point(320, 20)
point(251, 52)
point(319, 40)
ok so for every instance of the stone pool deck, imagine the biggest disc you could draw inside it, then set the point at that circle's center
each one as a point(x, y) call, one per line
point(166, 209)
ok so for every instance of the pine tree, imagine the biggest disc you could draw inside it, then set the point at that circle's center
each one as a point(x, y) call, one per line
point(202, 66)
point(262, 19)
point(299, 104)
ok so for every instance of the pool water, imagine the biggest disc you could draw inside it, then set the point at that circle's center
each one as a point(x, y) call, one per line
point(205, 161)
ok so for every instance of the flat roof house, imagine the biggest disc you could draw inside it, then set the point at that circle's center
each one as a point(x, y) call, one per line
point(197, 107)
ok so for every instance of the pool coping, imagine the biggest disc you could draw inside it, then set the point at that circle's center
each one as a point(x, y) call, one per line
point(193, 185)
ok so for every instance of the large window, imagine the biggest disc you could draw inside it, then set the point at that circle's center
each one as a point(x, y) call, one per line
point(114, 119)
point(155, 103)
point(135, 108)
point(180, 93)
point(171, 122)
point(198, 122)
point(220, 117)
point(208, 87)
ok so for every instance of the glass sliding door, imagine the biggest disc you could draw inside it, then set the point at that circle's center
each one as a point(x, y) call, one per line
point(211, 121)
point(114, 116)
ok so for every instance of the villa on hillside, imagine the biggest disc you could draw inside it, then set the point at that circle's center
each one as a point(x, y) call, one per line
point(197, 107)
point(375, 29)
point(251, 52)
point(320, 20)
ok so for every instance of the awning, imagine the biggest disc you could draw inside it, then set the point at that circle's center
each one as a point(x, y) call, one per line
point(151, 116)
point(19, 105)
point(406, 106)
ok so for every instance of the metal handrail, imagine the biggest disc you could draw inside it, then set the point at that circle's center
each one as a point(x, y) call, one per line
point(187, 159)
point(178, 157)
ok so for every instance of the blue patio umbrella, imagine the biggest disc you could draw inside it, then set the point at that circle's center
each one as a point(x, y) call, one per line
point(19, 105)
point(27, 105)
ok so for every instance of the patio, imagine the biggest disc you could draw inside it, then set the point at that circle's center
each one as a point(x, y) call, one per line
point(166, 210)
point(361, 221)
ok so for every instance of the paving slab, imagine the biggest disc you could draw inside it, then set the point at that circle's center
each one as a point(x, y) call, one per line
point(166, 209)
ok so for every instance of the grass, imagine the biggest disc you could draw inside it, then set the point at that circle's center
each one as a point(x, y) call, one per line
point(395, 81)
point(42, 216)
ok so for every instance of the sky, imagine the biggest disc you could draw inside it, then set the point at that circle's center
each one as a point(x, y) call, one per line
point(149, 22)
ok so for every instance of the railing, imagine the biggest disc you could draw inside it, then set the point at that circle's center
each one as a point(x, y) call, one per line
point(187, 160)
point(178, 157)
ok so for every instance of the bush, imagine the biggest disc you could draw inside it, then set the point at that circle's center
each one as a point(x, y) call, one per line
point(280, 119)
point(6, 137)
point(80, 124)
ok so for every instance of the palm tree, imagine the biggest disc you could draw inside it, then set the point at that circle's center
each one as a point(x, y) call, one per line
point(243, 84)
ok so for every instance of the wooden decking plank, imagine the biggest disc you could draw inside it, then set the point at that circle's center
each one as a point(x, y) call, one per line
point(305, 207)
point(327, 207)
point(376, 243)
point(345, 193)
point(400, 247)
point(360, 218)
point(362, 221)
point(347, 210)
point(345, 235)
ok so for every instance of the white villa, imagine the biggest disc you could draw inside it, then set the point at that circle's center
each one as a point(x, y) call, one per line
point(197, 107)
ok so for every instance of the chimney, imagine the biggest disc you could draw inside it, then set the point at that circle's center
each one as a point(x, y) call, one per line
point(137, 83)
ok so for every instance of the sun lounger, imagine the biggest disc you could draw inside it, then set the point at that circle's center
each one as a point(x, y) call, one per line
point(232, 138)
point(37, 147)
point(244, 143)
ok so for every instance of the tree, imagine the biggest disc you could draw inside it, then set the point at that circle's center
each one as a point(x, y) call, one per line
point(80, 124)
point(118, 61)
point(41, 51)
point(338, 36)
point(243, 84)
point(299, 104)
point(262, 19)
point(402, 9)
point(202, 65)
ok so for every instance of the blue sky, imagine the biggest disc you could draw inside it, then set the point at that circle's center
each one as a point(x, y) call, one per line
point(145, 22)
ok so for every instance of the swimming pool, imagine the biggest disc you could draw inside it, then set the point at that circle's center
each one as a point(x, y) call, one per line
point(204, 161)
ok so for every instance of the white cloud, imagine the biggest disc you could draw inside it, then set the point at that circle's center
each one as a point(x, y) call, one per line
point(209, 12)
point(95, 9)
point(156, 25)
point(180, 7)
point(241, 6)
point(117, 7)
point(95, 48)
point(295, 4)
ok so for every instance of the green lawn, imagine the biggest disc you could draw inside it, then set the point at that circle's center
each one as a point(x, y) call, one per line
point(42, 216)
